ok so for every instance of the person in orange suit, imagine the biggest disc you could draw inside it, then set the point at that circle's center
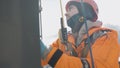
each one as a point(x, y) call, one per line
point(76, 52)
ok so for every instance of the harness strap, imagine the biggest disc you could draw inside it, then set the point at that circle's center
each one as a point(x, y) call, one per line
point(85, 63)
point(93, 38)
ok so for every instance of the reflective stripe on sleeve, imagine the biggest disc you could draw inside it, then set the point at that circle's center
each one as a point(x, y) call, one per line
point(55, 58)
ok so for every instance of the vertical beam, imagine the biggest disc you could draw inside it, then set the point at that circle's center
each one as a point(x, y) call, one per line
point(19, 34)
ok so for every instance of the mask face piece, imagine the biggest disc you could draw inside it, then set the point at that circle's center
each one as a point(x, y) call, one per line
point(73, 20)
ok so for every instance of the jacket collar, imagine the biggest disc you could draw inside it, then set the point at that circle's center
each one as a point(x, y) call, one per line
point(82, 31)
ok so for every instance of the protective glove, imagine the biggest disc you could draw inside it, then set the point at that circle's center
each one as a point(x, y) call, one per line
point(64, 39)
point(63, 35)
point(44, 50)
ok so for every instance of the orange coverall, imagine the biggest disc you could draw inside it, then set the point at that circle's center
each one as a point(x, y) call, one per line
point(105, 52)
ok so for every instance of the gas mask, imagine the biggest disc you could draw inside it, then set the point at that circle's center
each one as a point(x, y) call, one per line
point(74, 22)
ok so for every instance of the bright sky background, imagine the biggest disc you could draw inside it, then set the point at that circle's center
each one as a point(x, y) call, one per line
point(109, 13)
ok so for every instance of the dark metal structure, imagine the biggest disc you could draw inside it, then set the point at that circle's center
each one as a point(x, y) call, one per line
point(19, 34)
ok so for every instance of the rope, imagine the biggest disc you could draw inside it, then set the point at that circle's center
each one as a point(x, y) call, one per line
point(84, 20)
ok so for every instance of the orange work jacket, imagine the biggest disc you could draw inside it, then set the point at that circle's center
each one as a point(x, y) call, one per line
point(105, 52)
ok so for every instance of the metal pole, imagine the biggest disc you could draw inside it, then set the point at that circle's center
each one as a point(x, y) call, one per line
point(40, 19)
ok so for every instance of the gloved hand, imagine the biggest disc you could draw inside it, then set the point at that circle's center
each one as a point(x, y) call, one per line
point(63, 38)
point(63, 35)
point(44, 50)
